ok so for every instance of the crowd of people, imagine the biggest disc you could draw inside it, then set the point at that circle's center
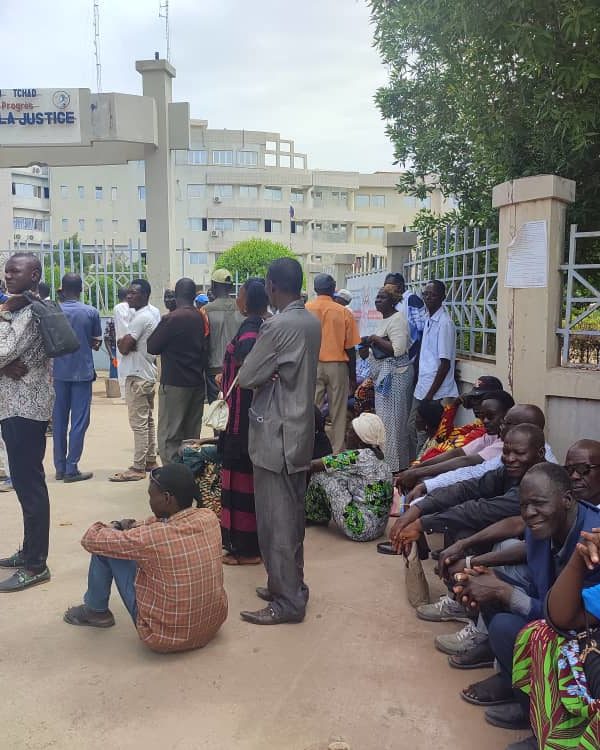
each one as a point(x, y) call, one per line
point(323, 426)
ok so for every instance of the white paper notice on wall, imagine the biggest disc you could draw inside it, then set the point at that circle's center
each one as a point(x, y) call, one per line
point(527, 262)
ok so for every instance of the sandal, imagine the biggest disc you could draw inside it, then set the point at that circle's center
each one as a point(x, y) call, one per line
point(229, 559)
point(492, 691)
point(81, 615)
point(129, 475)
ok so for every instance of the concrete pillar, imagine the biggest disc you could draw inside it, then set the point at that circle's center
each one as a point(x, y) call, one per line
point(399, 245)
point(157, 78)
point(342, 268)
point(526, 342)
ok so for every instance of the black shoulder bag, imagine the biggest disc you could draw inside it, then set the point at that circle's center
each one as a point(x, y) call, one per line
point(57, 335)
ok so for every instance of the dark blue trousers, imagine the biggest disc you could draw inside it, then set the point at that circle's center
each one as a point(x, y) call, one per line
point(73, 399)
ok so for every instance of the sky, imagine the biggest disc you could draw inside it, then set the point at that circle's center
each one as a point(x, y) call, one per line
point(304, 69)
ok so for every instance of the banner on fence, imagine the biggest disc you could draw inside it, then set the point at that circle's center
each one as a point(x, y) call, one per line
point(364, 290)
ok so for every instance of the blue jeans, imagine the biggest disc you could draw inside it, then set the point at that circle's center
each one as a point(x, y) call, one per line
point(73, 398)
point(103, 571)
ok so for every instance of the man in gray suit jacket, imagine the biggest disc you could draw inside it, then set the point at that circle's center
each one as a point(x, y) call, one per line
point(282, 370)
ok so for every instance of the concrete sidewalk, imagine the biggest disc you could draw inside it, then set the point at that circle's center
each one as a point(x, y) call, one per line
point(361, 668)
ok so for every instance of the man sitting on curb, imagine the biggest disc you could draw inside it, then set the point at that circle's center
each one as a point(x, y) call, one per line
point(168, 569)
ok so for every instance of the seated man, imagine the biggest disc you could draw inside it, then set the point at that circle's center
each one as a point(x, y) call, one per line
point(519, 414)
point(554, 524)
point(168, 569)
point(469, 648)
point(494, 407)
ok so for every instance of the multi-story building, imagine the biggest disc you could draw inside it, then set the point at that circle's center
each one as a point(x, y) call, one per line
point(230, 186)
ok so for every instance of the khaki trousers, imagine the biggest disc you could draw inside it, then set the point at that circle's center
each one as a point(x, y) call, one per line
point(139, 395)
point(333, 378)
point(179, 418)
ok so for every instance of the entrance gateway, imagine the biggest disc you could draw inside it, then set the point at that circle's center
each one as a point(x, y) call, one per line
point(66, 127)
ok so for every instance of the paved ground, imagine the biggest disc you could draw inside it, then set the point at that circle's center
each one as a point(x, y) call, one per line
point(361, 667)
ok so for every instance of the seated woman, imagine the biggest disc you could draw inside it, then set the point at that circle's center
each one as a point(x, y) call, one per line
point(557, 662)
point(355, 487)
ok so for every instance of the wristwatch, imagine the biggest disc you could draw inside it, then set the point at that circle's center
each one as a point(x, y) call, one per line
point(6, 315)
point(468, 559)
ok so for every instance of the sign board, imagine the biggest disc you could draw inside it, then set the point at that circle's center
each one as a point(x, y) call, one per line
point(31, 117)
point(364, 289)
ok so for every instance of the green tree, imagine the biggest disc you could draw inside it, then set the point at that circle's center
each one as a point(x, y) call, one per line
point(482, 91)
point(252, 257)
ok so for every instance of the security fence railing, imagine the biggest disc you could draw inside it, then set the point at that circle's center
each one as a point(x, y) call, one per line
point(467, 262)
point(580, 329)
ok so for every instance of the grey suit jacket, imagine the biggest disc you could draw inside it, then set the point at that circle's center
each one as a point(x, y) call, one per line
point(282, 427)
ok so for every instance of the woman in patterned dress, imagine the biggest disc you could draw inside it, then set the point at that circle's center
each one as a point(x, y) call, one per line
point(238, 518)
point(354, 487)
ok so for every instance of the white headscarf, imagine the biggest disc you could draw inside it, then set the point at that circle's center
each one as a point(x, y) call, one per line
point(370, 429)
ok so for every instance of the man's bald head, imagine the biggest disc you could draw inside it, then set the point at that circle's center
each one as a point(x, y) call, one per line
point(522, 414)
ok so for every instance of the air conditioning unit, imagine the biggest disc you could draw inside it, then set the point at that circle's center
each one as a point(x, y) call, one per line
point(36, 170)
point(216, 199)
point(30, 237)
point(17, 236)
point(215, 233)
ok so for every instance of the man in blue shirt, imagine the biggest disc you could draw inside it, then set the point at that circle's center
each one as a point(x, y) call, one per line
point(73, 378)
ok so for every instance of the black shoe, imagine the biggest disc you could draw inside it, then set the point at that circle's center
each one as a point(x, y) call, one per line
point(14, 561)
point(81, 615)
point(263, 593)
point(23, 579)
point(310, 522)
point(59, 476)
point(268, 616)
point(386, 548)
point(480, 656)
point(509, 716)
point(81, 476)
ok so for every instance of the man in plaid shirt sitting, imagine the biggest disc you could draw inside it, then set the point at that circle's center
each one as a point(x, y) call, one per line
point(168, 569)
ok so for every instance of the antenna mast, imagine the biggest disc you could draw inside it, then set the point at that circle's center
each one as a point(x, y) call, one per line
point(97, 45)
point(163, 12)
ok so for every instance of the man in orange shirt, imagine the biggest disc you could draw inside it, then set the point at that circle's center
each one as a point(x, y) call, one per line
point(336, 373)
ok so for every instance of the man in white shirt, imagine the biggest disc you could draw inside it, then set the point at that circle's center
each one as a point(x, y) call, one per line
point(122, 314)
point(437, 358)
point(139, 370)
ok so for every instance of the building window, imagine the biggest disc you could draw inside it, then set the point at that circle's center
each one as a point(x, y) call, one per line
point(424, 203)
point(28, 222)
point(339, 196)
point(247, 158)
point(273, 194)
point(191, 157)
point(195, 224)
point(99, 225)
point(46, 191)
point(361, 233)
point(81, 224)
point(113, 193)
point(64, 191)
point(377, 233)
point(297, 196)
point(141, 192)
point(409, 201)
point(142, 225)
point(223, 191)
point(249, 191)
point(297, 227)
point(115, 225)
point(249, 225)
point(224, 158)
point(99, 192)
point(198, 259)
point(80, 191)
point(195, 191)
point(273, 226)
point(223, 225)
point(361, 200)
point(64, 224)
point(378, 201)
point(25, 190)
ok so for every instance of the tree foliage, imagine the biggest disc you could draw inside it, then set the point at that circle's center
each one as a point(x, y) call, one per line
point(482, 91)
point(252, 257)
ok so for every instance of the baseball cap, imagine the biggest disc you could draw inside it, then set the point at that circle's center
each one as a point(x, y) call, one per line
point(343, 294)
point(201, 299)
point(221, 276)
point(482, 385)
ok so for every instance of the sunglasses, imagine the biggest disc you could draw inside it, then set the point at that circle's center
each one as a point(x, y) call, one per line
point(582, 469)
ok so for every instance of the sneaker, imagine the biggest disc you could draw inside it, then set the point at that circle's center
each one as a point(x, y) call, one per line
point(14, 561)
point(444, 610)
point(458, 643)
point(79, 476)
point(23, 579)
point(6, 485)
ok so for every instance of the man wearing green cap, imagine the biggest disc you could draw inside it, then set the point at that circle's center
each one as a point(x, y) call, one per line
point(168, 569)
point(224, 320)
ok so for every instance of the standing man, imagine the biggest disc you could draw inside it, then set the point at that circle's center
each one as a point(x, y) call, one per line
point(336, 373)
point(73, 378)
point(121, 315)
point(25, 408)
point(224, 320)
point(414, 309)
point(437, 358)
point(138, 367)
point(282, 370)
point(179, 339)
